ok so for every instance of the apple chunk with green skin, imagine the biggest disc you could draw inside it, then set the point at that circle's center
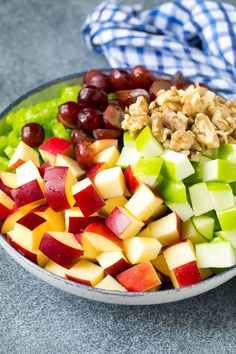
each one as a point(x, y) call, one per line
point(189, 232)
point(29, 194)
point(27, 172)
point(166, 230)
point(181, 261)
point(113, 263)
point(172, 191)
point(227, 152)
point(182, 209)
point(85, 272)
point(221, 195)
point(22, 154)
point(102, 238)
point(58, 182)
point(228, 235)
point(129, 156)
point(110, 183)
point(61, 247)
point(56, 269)
point(141, 277)
point(103, 144)
point(55, 219)
point(6, 205)
point(215, 255)
point(35, 256)
point(87, 198)
point(29, 230)
point(144, 203)
point(176, 166)
point(66, 161)
point(141, 249)
point(147, 145)
point(111, 204)
point(108, 156)
point(53, 146)
point(227, 219)
point(200, 198)
point(76, 222)
point(109, 283)
point(204, 225)
point(123, 223)
point(219, 171)
point(128, 140)
point(147, 170)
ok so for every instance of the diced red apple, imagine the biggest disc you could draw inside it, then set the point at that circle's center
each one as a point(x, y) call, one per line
point(35, 256)
point(56, 269)
point(29, 194)
point(141, 277)
point(185, 275)
point(109, 283)
point(94, 170)
point(58, 183)
point(161, 265)
point(29, 230)
point(6, 205)
point(141, 249)
point(131, 181)
point(66, 161)
point(43, 167)
point(85, 272)
point(55, 219)
point(102, 238)
point(76, 222)
point(8, 179)
point(27, 172)
point(144, 203)
point(123, 224)
point(103, 144)
point(108, 156)
point(22, 154)
point(113, 263)
point(111, 204)
point(90, 252)
point(167, 229)
point(13, 217)
point(110, 182)
point(53, 146)
point(62, 248)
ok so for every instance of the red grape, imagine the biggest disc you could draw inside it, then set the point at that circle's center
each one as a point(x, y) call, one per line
point(141, 77)
point(120, 79)
point(89, 75)
point(78, 135)
point(134, 94)
point(91, 96)
point(32, 134)
point(84, 154)
point(179, 81)
point(101, 81)
point(106, 134)
point(90, 119)
point(68, 114)
point(113, 116)
point(158, 85)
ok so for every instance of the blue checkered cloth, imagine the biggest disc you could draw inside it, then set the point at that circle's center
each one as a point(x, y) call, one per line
point(196, 37)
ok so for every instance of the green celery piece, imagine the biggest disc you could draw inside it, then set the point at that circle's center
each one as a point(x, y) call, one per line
point(3, 144)
point(4, 163)
point(69, 93)
point(14, 138)
point(112, 96)
point(9, 151)
point(59, 130)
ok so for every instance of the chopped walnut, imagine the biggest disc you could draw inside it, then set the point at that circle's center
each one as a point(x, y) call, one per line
point(174, 121)
point(181, 140)
point(206, 132)
point(220, 122)
point(159, 131)
point(138, 116)
point(140, 106)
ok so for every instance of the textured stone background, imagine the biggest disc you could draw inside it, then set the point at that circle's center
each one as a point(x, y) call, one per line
point(39, 41)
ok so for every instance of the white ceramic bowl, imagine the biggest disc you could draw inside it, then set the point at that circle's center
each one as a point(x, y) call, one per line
point(50, 90)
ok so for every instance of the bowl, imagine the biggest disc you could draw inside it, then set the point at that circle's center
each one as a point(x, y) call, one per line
point(49, 90)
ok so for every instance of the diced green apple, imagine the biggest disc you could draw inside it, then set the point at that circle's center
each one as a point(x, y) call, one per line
point(200, 198)
point(228, 235)
point(233, 186)
point(212, 214)
point(215, 255)
point(219, 171)
point(128, 156)
point(227, 152)
point(211, 154)
point(128, 140)
point(147, 170)
point(172, 191)
point(182, 209)
point(189, 232)
point(147, 145)
point(176, 166)
point(227, 219)
point(216, 239)
point(221, 195)
point(204, 225)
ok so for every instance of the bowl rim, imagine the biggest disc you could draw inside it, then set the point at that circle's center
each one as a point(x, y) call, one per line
point(7, 246)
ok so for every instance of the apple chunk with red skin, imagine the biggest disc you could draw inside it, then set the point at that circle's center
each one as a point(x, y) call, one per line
point(27, 172)
point(56, 269)
point(141, 277)
point(56, 221)
point(87, 197)
point(28, 194)
point(182, 263)
point(123, 224)
point(43, 167)
point(76, 222)
point(13, 217)
point(61, 247)
point(102, 238)
point(167, 229)
point(94, 170)
point(66, 161)
point(58, 182)
point(53, 146)
point(85, 272)
point(131, 181)
point(36, 257)
point(6, 205)
point(22, 154)
point(113, 262)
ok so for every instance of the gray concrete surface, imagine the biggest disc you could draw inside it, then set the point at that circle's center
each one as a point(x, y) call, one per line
point(39, 41)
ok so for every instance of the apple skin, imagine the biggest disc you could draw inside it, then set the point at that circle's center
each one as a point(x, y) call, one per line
point(131, 181)
point(141, 277)
point(115, 263)
point(102, 230)
point(55, 188)
point(94, 170)
point(59, 252)
point(79, 237)
point(79, 224)
point(28, 193)
point(117, 267)
point(12, 218)
point(4, 212)
point(43, 167)
point(53, 146)
point(117, 221)
point(5, 188)
point(187, 274)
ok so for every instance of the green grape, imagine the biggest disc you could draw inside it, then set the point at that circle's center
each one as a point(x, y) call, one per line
point(69, 93)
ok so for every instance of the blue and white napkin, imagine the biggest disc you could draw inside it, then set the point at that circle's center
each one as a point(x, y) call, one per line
point(196, 37)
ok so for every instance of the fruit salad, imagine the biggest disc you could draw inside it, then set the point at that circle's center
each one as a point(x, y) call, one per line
point(126, 182)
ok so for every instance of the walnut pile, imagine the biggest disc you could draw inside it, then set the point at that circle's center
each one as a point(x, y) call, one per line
point(189, 121)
